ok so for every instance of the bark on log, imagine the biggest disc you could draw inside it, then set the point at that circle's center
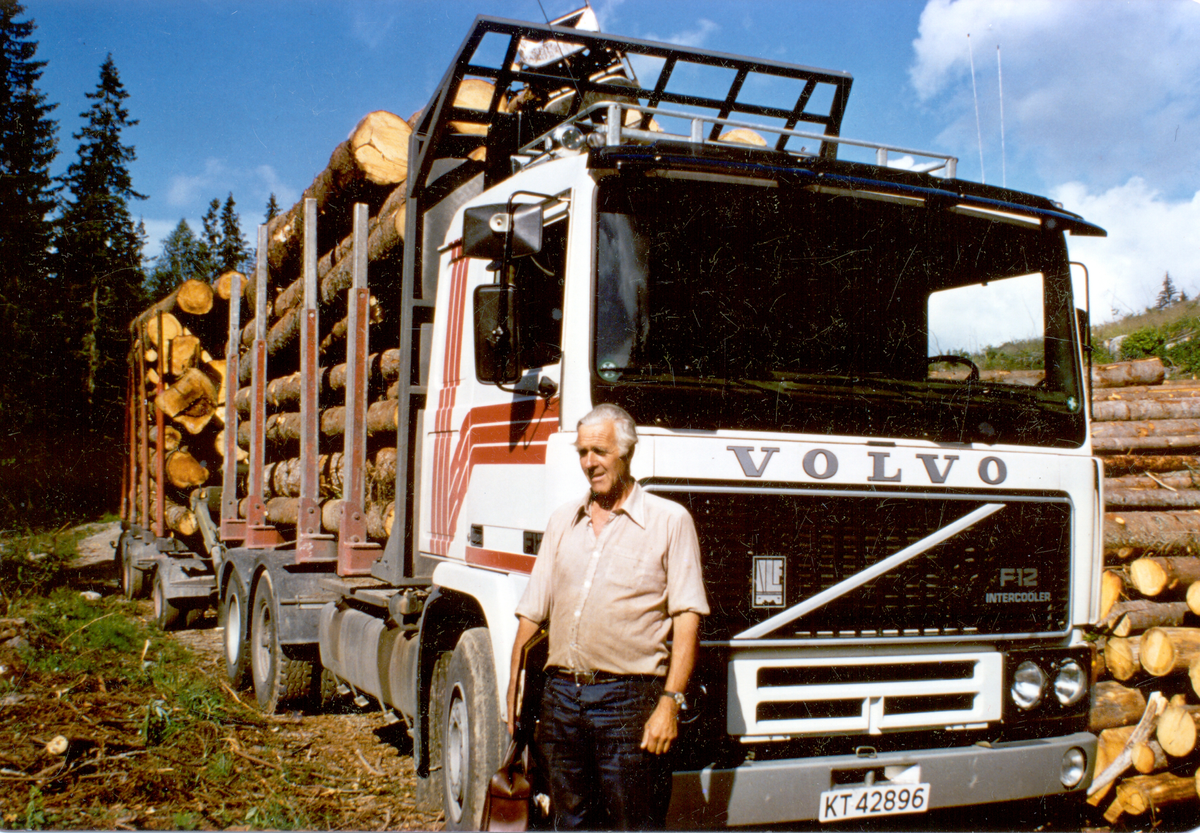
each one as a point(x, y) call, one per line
point(1121, 656)
point(1146, 792)
point(1141, 372)
point(1178, 480)
point(1122, 464)
point(184, 471)
point(1152, 575)
point(1166, 650)
point(1119, 498)
point(1114, 705)
point(1127, 445)
point(1140, 614)
point(1161, 532)
point(282, 478)
point(285, 427)
point(1146, 409)
point(1176, 731)
point(1147, 428)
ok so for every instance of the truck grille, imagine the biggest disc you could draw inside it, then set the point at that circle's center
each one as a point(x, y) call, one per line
point(767, 551)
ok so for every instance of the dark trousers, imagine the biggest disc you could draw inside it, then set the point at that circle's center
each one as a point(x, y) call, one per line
point(590, 739)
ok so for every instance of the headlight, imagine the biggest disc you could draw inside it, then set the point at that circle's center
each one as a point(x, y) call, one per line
point(1074, 766)
point(1028, 686)
point(1070, 683)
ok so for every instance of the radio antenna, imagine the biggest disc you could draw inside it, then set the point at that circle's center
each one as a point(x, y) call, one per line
point(1003, 160)
point(975, 94)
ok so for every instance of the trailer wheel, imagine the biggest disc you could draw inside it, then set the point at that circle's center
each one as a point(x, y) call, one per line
point(133, 580)
point(167, 614)
point(278, 677)
point(471, 736)
point(235, 619)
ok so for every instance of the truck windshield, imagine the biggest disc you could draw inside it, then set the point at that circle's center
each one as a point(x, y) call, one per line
point(729, 303)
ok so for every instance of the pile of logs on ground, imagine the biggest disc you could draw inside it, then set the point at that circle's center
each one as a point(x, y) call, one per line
point(1147, 432)
point(178, 392)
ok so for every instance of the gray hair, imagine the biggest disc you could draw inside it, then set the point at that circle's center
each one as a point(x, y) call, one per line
point(623, 425)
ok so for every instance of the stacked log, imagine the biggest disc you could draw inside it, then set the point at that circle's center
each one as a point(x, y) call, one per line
point(175, 366)
point(1147, 432)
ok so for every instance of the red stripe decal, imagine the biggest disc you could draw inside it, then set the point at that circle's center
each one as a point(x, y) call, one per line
point(510, 562)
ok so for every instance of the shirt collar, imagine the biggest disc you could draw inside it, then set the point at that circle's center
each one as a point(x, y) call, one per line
point(634, 506)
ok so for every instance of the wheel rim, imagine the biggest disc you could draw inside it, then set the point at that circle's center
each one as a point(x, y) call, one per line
point(233, 626)
point(262, 645)
point(158, 598)
point(457, 751)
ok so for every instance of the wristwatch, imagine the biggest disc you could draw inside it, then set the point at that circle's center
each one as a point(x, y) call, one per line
point(679, 699)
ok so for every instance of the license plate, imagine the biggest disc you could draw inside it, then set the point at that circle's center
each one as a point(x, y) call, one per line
point(886, 799)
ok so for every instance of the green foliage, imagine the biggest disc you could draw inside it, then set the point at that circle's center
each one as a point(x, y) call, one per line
point(36, 817)
point(1139, 344)
point(183, 258)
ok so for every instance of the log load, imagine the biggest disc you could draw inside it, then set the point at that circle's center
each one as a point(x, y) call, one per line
point(1114, 705)
point(1121, 658)
point(1161, 532)
point(1176, 732)
point(1151, 792)
point(1141, 372)
point(283, 429)
point(283, 392)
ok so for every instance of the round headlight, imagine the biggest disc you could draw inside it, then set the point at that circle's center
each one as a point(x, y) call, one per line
point(1070, 683)
point(1074, 766)
point(1028, 686)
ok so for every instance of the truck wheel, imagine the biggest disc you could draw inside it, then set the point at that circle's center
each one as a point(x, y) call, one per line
point(167, 614)
point(278, 678)
point(235, 618)
point(471, 736)
point(132, 579)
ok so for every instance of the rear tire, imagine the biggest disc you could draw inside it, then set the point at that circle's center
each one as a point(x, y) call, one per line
point(235, 619)
point(278, 677)
point(167, 614)
point(471, 736)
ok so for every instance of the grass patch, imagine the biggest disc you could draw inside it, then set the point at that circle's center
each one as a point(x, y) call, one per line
point(32, 562)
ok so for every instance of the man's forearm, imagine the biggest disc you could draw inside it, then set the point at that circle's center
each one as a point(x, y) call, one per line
point(685, 641)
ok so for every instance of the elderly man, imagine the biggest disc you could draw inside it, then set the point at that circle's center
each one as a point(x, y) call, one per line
point(617, 576)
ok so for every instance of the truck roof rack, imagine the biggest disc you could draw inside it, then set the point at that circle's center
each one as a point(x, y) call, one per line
point(546, 74)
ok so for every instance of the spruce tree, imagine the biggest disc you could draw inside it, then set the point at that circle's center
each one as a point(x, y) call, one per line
point(99, 257)
point(233, 250)
point(1167, 295)
point(182, 259)
point(28, 146)
point(272, 208)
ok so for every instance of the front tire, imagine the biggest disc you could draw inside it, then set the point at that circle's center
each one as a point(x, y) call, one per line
point(133, 583)
point(235, 618)
point(471, 733)
point(278, 678)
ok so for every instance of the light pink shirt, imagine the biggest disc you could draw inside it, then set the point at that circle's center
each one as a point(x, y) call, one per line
point(609, 599)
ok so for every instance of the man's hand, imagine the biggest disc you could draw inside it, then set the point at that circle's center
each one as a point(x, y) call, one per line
point(662, 728)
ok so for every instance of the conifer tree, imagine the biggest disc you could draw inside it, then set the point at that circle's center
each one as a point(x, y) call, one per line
point(182, 259)
point(233, 250)
point(99, 257)
point(1167, 295)
point(28, 146)
point(272, 208)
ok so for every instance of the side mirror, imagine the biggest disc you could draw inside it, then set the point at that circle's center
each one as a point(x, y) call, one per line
point(496, 334)
point(485, 228)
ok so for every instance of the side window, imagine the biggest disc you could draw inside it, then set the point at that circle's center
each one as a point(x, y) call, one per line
point(539, 280)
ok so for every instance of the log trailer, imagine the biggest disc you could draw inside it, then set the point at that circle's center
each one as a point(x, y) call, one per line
point(902, 549)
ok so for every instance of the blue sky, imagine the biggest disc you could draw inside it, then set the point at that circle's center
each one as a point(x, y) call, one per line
point(1101, 98)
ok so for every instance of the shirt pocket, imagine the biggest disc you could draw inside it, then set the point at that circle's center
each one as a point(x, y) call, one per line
point(638, 572)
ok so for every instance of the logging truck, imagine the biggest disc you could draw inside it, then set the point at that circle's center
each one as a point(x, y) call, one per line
point(902, 549)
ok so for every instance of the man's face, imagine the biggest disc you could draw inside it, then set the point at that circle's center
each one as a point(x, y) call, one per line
point(600, 460)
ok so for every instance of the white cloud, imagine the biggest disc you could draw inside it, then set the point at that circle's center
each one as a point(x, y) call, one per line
point(186, 189)
point(1093, 92)
point(1148, 235)
point(694, 37)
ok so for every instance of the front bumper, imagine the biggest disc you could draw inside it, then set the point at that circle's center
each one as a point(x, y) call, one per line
point(771, 792)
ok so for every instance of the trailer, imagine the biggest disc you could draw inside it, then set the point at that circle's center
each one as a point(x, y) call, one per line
point(902, 548)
